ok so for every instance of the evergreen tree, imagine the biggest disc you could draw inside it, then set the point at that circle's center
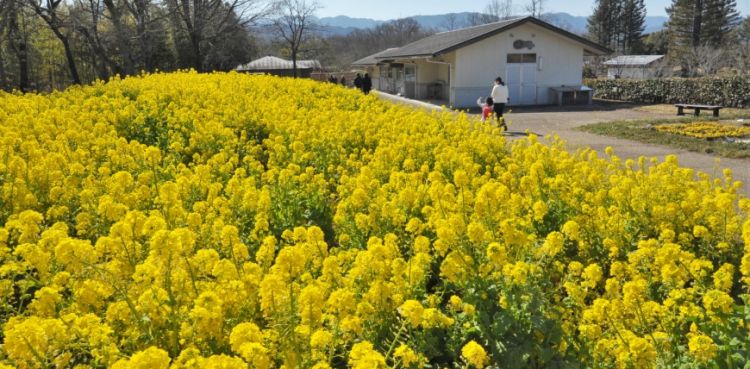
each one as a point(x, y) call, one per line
point(633, 24)
point(618, 24)
point(600, 24)
point(720, 19)
point(695, 23)
point(684, 23)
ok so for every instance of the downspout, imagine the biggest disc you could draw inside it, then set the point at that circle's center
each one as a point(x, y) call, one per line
point(450, 81)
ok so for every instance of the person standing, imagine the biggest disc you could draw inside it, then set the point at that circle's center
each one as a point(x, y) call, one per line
point(358, 82)
point(343, 81)
point(366, 84)
point(500, 97)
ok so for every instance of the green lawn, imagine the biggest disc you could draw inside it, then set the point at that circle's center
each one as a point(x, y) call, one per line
point(643, 131)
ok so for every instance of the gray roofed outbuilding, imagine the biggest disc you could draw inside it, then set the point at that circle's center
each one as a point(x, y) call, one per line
point(444, 42)
point(268, 63)
point(633, 60)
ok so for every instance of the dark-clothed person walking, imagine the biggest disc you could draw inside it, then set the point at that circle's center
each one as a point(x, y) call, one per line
point(366, 84)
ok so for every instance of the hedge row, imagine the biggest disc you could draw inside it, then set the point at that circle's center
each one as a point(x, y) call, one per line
point(725, 91)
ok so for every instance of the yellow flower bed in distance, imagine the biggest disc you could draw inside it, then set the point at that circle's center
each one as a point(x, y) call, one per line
point(705, 130)
point(230, 221)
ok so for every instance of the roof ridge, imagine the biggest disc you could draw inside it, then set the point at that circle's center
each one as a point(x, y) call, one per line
point(507, 20)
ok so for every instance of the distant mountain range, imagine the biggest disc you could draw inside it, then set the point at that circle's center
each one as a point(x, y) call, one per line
point(342, 25)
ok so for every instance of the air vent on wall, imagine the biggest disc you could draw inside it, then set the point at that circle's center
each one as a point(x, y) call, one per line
point(520, 44)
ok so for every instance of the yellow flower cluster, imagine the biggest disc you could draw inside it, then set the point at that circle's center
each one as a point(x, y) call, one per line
point(705, 130)
point(230, 221)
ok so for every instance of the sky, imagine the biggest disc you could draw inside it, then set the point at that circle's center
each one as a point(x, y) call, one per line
point(392, 9)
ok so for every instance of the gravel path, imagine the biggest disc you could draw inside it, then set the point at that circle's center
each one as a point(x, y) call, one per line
point(563, 121)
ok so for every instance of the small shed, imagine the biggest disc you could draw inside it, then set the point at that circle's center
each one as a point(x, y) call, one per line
point(456, 67)
point(636, 67)
point(280, 67)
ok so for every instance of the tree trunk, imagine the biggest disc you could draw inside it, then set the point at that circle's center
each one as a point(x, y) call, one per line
point(19, 46)
point(99, 56)
point(197, 55)
point(23, 66)
point(69, 57)
point(54, 26)
point(294, 62)
point(123, 44)
point(2, 72)
point(697, 23)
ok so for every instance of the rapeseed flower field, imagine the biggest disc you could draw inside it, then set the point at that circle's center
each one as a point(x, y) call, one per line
point(705, 130)
point(230, 221)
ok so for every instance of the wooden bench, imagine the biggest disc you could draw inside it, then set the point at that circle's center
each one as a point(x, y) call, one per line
point(697, 108)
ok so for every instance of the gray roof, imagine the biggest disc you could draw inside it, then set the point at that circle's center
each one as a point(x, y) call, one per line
point(633, 60)
point(444, 42)
point(371, 60)
point(274, 63)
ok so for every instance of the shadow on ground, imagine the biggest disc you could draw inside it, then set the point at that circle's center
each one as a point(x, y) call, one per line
point(598, 105)
point(519, 134)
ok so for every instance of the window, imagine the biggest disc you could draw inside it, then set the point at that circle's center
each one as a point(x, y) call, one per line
point(521, 58)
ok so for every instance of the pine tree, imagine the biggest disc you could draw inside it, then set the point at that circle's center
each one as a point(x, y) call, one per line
point(633, 24)
point(694, 23)
point(600, 25)
point(618, 24)
point(721, 18)
point(685, 23)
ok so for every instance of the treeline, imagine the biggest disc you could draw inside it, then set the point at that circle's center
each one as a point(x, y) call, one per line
point(50, 44)
point(619, 25)
point(701, 37)
point(345, 49)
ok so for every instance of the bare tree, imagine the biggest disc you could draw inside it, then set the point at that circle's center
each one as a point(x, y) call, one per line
point(121, 35)
point(501, 9)
point(494, 11)
point(13, 24)
point(478, 19)
point(704, 60)
point(207, 21)
point(616, 70)
point(89, 15)
point(148, 30)
point(294, 23)
point(451, 22)
point(535, 8)
point(50, 12)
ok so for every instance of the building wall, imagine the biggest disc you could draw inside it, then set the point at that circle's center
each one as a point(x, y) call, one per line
point(374, 73)
point(559, 62)
point(432, 80)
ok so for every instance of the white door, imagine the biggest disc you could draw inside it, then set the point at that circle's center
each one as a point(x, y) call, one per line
point(521, 79)
point(513, 81)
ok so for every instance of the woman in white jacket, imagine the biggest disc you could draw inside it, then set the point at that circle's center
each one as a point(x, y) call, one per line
point(500, 96)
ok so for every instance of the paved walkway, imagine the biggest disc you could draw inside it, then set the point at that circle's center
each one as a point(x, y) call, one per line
point(563, 121)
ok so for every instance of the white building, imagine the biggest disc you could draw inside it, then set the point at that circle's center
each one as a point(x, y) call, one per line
point(636, 67)
point(532, 56)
